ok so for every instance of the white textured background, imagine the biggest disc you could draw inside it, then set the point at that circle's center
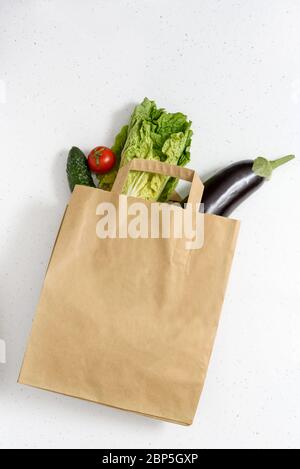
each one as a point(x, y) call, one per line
point(70, 73)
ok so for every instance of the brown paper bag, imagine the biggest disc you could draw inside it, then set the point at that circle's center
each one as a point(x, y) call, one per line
point(130, 323)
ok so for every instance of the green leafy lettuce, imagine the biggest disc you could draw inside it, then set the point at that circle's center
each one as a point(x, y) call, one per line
point(152, 134)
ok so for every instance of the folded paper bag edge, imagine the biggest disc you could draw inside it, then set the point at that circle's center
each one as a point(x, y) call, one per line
point(184, 422)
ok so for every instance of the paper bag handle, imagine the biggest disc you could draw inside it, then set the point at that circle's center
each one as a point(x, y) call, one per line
point(157, 167)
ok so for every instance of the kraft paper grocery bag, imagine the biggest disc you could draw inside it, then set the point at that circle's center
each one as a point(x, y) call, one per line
point(130, 323)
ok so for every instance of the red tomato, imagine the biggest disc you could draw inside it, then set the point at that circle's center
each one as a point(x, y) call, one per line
point(101, 160)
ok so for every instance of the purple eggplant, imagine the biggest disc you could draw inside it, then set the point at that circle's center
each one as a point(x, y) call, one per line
point(225, 191)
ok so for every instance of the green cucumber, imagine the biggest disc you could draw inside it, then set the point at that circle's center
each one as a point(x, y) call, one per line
point(77, 169)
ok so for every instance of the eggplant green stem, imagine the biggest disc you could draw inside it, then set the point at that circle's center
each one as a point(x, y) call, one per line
point(264, 168)
point(281, 161)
